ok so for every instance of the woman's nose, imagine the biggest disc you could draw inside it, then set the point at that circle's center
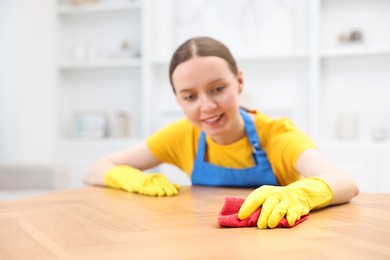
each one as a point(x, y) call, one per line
point(207, 104)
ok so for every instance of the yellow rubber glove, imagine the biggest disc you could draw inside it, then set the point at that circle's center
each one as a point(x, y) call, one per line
point(133, 180)
point(291, 201)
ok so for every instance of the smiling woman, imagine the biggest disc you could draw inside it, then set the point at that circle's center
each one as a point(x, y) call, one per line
point(220, 144)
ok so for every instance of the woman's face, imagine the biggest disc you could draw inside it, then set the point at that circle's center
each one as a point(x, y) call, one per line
point(208, 91)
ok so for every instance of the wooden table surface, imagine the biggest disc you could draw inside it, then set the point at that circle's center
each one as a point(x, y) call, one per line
point(99, 223)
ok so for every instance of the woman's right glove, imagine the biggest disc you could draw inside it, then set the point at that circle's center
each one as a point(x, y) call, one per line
point(292, 201)
point(133, 180)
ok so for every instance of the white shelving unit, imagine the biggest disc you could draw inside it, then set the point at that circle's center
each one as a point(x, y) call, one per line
point(351, 76)
point(293, 65)
point(100, 76)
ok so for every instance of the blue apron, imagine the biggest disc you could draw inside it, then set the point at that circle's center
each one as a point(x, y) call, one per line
point(261, 173)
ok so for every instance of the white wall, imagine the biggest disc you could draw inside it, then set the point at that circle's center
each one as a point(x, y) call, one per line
point(27, 80)
point(8, 124)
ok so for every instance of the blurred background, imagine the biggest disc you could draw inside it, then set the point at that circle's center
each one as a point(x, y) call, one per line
point(83, 78)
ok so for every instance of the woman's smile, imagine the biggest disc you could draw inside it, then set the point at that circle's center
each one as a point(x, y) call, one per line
point(213, 120)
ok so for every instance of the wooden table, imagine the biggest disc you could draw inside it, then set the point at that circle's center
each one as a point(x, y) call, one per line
point(99, 223)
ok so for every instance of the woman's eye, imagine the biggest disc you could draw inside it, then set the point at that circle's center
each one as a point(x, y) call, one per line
point(218, 89)
point(189, 97)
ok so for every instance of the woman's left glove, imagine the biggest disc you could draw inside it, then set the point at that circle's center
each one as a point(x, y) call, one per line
point(291, 201)
point(133, 180)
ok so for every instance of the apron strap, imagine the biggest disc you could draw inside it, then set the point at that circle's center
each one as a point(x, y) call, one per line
point(201, 147)
point(252, 136)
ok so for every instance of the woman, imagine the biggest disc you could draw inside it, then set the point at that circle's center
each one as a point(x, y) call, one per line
point(221, 144)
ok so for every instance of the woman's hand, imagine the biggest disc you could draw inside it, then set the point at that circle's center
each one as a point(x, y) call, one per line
point(291, 201)
point(133, 180)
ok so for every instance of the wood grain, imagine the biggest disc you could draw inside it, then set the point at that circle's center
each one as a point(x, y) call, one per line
point(99, 223)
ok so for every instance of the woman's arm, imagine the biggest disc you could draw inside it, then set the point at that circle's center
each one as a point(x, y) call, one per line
point(138, 156)
point(313, 163)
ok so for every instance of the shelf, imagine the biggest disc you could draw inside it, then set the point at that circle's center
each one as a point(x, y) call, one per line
point(117, 63)
point(354, 51)
point(67, 9)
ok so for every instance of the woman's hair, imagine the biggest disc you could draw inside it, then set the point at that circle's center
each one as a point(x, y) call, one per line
point(201, 47)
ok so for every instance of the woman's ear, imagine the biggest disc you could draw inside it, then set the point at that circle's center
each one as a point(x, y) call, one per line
point(240, 80)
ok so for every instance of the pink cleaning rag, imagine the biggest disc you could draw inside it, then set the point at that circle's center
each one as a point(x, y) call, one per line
point(228, 217)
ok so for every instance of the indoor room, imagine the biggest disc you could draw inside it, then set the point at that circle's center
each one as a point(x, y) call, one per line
point(83, 79)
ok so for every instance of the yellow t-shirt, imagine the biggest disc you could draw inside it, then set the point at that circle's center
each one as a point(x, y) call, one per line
point(282, 141)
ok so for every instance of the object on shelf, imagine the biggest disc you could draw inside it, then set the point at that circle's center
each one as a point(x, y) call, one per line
point(80, 51)
point(122, 124)
point(126, 50)
point(89, 125)
point(347, 126)
point(94, 53)
point(356, 36)
point(352, 37)
point(84, 52)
